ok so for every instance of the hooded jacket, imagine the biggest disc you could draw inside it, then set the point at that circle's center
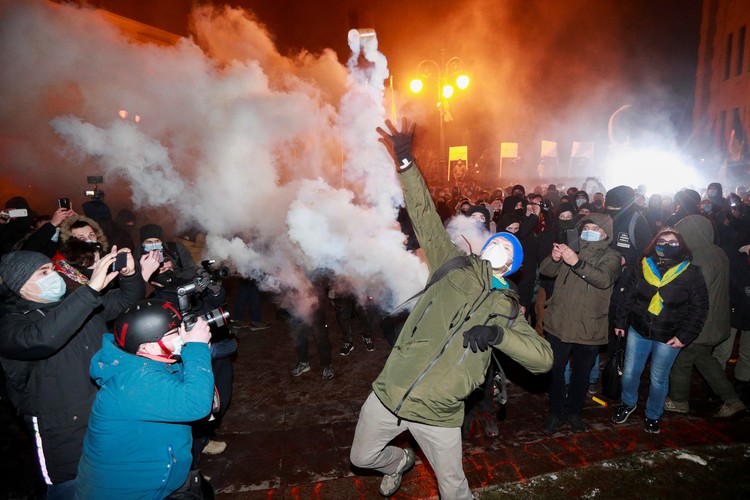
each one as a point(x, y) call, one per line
point(45, 351)
point(577, 311)
point(65, 233)
point(139, 440)
point(698, 233)
point(429, 373)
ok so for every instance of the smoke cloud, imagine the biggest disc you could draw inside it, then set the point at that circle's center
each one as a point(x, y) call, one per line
point(275, 158)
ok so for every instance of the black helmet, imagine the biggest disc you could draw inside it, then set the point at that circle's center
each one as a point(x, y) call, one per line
point(146, 321)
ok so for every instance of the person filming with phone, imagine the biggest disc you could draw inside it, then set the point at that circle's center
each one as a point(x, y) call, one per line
point(47, 340)
point(575, 323)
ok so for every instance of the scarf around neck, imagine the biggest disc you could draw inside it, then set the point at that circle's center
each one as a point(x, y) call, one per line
point(654, 278)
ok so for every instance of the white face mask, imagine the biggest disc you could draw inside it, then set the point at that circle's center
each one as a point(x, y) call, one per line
point(497, 255)
point(52, 287)
point(177, 346)
point(589, 235)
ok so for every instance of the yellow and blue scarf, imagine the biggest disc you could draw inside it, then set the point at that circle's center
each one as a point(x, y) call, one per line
point(654, 278)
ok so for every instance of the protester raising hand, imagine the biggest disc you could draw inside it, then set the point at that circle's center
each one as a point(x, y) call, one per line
point(398, 143)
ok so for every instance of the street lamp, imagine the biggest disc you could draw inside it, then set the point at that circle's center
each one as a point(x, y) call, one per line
point(444, 76)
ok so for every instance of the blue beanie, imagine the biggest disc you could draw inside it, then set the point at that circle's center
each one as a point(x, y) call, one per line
point(517, 250)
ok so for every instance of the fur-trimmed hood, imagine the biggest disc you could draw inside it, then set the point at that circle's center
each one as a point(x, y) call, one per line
point(65, 233)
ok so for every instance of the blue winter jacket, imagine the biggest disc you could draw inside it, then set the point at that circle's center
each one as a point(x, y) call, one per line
point(138, 443)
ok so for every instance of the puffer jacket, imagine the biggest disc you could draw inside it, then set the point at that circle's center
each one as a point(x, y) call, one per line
point(45, 351)
point(685, 305)
point(578, 310)
point(698, 233)
point(429, 373)
point(139, 440)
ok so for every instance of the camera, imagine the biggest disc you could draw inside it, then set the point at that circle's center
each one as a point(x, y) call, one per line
point(96, 193)
point(206, 280)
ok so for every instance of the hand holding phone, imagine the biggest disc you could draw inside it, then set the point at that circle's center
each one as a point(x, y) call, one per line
point(121, 262)
point(63, 203)
point(573, 240)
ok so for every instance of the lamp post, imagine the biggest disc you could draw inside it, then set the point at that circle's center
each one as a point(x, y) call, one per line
point(444, 76)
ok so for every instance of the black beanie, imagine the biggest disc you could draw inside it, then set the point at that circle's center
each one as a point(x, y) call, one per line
point(152, 231)
point(566, 207)
point(620, 197)
point(17, 267)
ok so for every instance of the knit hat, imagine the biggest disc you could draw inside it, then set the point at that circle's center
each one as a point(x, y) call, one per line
point(17, 267)
point(517, 250)
point(152, 231)
point(619, 198)
point(481, 210)
point(566, 207)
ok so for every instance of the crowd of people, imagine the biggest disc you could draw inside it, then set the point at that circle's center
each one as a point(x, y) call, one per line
point(96, 351)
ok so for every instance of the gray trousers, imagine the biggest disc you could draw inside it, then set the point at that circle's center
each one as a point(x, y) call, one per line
point(724, 350)
point(701, 357)
point(377, 426)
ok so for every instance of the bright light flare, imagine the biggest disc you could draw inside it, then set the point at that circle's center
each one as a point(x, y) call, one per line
point(462, 82)
point(448, 91)
point(416, 86)
point(123, 114)
point(661, 171)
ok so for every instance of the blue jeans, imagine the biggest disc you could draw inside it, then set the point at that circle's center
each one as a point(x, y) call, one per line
point(662, 358)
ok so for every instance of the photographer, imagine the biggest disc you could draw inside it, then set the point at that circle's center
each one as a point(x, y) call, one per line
point(47, 340)
point(139, 438)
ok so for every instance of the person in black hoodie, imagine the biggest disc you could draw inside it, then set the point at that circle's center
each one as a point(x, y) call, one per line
point(47, 341)
point(686, 203)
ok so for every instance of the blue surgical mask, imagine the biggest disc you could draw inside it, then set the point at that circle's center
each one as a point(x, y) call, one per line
point(580, 201)
point(707, 207)
point(152, 246)
point(52, 287)
point(589, 235)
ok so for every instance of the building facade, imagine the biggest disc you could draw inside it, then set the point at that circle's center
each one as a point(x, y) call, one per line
point(722, 96)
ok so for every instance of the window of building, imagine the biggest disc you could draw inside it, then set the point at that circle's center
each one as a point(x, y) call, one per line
point(728, 57)
point(723, 129)
point(740, 51)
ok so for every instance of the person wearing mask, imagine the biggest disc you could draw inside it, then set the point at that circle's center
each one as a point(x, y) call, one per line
point(155, 379)
point(574, 324)
point(686, 203)
point(83, 228)
point(47, 340)
point(698, 233)
point(443, 351)
point(665, 304)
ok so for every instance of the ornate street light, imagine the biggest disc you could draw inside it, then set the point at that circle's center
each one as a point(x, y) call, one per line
point(444, 76)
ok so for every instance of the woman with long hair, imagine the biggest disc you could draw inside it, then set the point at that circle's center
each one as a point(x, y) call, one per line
point(665, 302)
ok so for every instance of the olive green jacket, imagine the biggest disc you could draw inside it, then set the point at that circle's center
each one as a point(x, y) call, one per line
point(429, 373)
point(578, 310)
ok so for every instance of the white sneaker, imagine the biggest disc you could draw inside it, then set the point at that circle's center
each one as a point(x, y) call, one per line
point(214, 447)
point(392, 482)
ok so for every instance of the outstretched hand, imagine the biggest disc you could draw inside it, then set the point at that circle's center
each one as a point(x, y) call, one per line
point(398, 143)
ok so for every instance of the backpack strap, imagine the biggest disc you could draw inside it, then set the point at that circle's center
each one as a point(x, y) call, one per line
point(448, 266)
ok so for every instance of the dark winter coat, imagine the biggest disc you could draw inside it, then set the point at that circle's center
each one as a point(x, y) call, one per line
point(685, 306)
point(45, 350)
point(698, 233)
point(739, 291)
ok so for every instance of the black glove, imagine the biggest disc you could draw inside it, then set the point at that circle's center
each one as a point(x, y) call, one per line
point(482, 336)
point(398, 143)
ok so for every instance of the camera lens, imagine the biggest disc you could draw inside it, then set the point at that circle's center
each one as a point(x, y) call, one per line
point(216, 318)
